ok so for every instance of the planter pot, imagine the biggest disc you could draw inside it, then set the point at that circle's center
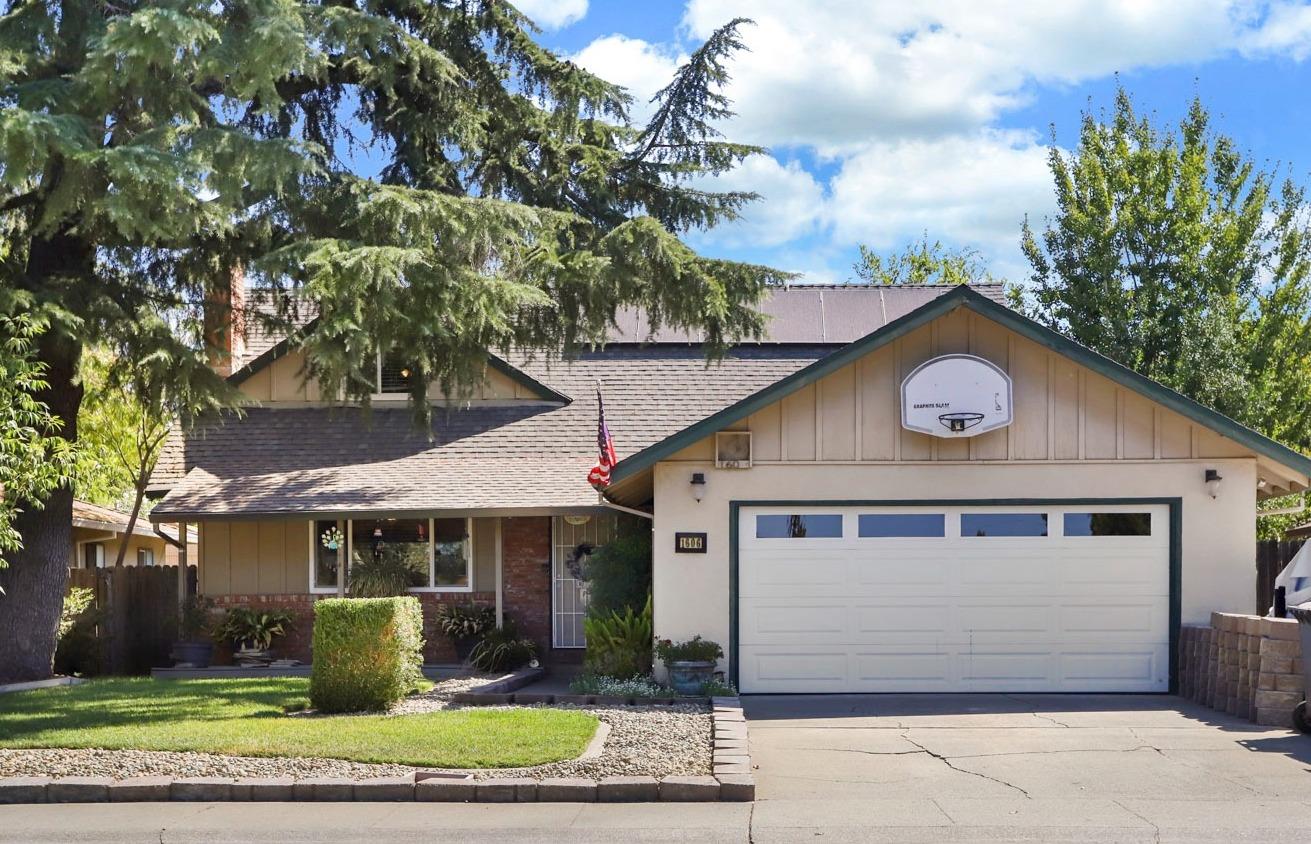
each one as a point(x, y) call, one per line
point(688, 676)
point(464, 647)
point(193, 654)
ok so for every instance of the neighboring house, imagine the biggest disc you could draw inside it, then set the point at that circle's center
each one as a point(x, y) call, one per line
point(99, 532)
point(797, 520)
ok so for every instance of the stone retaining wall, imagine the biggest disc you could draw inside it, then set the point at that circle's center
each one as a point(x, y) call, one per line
point(1244, 665)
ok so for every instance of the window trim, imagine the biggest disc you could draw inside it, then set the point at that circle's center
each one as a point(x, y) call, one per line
point(432, 557)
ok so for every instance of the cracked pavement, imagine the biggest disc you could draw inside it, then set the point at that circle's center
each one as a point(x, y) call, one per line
point(1034, 767)
point(900, 768)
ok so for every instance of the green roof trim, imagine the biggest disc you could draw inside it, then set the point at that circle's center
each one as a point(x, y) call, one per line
point(963, 297)
point(499, 364)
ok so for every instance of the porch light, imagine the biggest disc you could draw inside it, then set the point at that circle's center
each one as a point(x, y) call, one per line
point(1213, 480)
point(698, 485)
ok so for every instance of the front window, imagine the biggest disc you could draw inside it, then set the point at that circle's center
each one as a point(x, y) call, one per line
point(93, 555)
point(1003, 524)
point(798, 526)
point(145, 557)
point(436, 554)
point(402, 542)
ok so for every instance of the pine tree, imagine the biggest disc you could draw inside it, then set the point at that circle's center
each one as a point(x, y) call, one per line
point(149, 148)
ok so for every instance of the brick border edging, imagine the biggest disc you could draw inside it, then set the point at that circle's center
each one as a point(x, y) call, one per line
point(732, 781)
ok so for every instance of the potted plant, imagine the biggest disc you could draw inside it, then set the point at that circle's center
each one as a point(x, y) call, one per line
point(194, 648)
point(464, 625)
point(251, 632)
point(690, 663)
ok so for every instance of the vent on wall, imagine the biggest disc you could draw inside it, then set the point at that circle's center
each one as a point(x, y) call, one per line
point(733, 450)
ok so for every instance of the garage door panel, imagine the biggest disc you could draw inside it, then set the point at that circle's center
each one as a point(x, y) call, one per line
point(1029, 613)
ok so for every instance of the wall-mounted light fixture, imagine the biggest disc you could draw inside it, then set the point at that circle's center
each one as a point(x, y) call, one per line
point(1213, 480)
point(698, 485)
point(1262, 483)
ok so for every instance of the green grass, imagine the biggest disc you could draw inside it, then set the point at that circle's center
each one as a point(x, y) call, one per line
point(248, 718)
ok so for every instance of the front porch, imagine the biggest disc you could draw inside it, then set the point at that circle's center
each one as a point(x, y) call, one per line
point(518, 564)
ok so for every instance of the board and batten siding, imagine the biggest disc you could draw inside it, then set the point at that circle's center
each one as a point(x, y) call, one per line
point(272, 557)
point(283, 382)
point(1063, 411)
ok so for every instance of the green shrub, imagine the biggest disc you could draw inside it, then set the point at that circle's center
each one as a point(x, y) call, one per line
point(618, 574)
point(695, 649)
point(458, 622)
point(368, 653)
point(243, 627)
point(718, 688)
point(619, 644)
point(387, 574)
point(502, 649)
point(77, 601)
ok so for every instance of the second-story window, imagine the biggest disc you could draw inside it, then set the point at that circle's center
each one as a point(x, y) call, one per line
point(395, 375)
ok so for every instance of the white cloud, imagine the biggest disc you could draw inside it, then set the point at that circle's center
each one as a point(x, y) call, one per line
point(1285, 29)
point(553, 14)
point(966, 189)
point(791, 204)
point(641, 67)
point(838, 73)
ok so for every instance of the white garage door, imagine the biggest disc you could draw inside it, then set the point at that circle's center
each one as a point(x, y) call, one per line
point(954, 599)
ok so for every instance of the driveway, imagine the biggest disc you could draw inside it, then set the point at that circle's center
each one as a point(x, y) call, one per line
point(1037, 767)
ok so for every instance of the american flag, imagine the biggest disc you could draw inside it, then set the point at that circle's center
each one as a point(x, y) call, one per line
point(599, 477)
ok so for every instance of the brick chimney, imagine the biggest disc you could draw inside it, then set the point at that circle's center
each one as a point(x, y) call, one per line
point(225, 323)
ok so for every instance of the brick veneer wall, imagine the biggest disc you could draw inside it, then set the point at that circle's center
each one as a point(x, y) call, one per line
point(526, 576)
point(1244, 665)
point(437, 648)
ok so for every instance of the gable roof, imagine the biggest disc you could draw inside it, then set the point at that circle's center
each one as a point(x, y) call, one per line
point(959, 297)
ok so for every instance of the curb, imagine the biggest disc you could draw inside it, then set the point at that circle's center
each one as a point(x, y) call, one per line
point(732, 782)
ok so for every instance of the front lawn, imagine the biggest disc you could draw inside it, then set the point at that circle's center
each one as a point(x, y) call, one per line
point(248, 718)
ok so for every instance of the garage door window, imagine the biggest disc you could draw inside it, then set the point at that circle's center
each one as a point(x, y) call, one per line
point(1108, 524)
point(1003, 524)
point(892, 525)
point(824, 526)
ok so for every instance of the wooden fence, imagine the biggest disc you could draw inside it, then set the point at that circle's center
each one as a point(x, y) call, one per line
point(1271, 557)
point(133, 620)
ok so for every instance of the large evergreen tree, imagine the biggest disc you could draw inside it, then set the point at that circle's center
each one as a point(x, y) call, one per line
point(422, 171)
point(1176, 255)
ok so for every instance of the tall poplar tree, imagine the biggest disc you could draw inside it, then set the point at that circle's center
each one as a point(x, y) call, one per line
point(1176, 255)
point(423, 171)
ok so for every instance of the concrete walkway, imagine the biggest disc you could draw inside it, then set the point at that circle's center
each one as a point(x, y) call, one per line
point(899, 768)
point(1002, 767)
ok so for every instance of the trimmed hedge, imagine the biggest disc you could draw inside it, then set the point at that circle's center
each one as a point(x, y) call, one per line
point(368, 653)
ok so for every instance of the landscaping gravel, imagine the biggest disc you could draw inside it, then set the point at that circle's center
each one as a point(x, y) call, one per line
point(656, 741)
point(121, 764)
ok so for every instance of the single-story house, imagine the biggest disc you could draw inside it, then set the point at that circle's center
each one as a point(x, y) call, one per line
point(99, 532)
point(895, 489)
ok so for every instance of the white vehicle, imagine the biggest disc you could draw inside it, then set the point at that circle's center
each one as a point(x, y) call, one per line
point(1296, 578)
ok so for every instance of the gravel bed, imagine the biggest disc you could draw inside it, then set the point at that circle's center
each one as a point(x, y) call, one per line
point(656, 741)
point(121, 764)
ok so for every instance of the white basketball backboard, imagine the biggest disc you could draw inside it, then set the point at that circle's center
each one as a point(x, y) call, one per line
point(956, 396)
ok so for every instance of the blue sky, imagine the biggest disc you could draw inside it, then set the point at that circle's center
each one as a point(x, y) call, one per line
point(888, 120)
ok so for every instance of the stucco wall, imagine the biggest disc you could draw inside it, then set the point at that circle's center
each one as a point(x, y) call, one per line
point(692, 590)
point(85, 536)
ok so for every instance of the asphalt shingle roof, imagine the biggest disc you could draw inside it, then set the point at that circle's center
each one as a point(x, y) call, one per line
point(532, 455)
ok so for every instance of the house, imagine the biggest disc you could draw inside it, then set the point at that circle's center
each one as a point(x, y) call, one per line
point(896, 489)
point(99, 532)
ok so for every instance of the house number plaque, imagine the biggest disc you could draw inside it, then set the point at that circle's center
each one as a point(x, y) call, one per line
point(689, 543)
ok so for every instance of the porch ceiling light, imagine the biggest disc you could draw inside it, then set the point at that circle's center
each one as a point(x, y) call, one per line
point(1213, 480)
point(698, 485)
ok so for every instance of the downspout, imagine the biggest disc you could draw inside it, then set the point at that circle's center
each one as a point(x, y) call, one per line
point(176, 543)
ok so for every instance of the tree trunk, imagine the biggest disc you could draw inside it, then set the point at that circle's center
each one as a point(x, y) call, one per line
point(37, 575)
point(141, 481)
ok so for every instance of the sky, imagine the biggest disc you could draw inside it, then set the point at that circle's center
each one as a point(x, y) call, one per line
point(887, 121)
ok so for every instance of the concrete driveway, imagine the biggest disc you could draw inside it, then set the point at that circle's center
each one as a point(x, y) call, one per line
point(1030, 767)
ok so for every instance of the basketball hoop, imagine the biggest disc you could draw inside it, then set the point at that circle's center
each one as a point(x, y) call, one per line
point(960, 421)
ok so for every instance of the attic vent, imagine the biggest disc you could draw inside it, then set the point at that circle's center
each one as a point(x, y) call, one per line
point(733, 450)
